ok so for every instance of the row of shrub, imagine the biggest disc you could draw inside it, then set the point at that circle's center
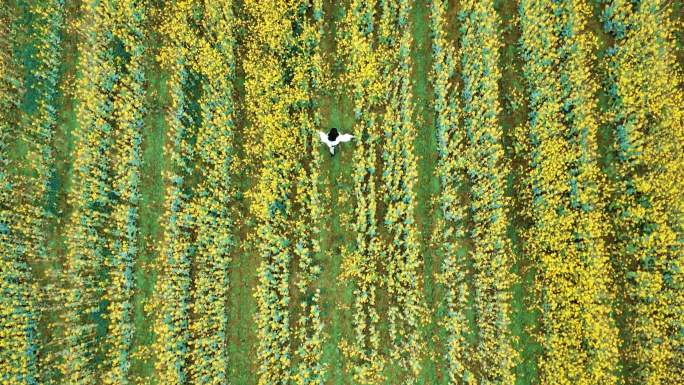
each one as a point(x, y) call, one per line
point(361, 262)
point(645, 116)
point(566, 239)
point(401, 259)
point(192, 287)
point(19, 310)
point(283, 75)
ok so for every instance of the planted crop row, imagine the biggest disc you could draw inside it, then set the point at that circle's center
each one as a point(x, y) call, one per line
point(39, 207)
point(127, 113)
point(400, 255)
point(308, 78)
point(450, 228)
point(384, 259)
point(646, 118)
point(47, 19)
point(102, 234)
point(566, 239)
point(18, 310)
point(210, 208)
point(193, 285)
point(27, 192)
point(469, 140)
point(91, 198)
point(266, 89)
point(282, 76)
point(486, 171)
point(361, 263)
point(587, 196)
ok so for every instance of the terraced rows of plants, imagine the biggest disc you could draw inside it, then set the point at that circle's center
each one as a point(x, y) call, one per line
point(510, 210)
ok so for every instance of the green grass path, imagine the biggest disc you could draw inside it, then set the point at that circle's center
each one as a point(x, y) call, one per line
point(427, 187)
point(63, 142)
point(242, 306)
point(336, 182)
point(512, 117)
point(151, 211)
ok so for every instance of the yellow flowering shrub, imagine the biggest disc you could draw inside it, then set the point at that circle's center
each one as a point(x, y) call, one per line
point(210, 206)
point(90, 197)
point(129, 93)
point(647, 121)
point(308, 76)
point(487, 171)
point(400, 251)
point(192, 326)
point(246, 86)
point(449, 229)
point(362, 262)
point(28, 185)
point(19, 309)
point(378, 67)
point(283, 73)
point(566, 240)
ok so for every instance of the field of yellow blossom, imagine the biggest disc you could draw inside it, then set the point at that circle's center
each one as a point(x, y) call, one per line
point(509, 212)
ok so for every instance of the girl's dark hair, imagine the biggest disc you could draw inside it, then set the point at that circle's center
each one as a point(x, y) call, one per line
point(332, 135)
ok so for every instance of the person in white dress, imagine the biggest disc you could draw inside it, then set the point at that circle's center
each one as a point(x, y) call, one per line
point(333, 138)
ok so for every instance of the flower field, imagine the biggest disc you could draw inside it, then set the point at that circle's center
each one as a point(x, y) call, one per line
point(509, 211)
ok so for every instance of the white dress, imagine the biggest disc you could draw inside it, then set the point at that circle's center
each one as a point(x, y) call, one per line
point(332, 143)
